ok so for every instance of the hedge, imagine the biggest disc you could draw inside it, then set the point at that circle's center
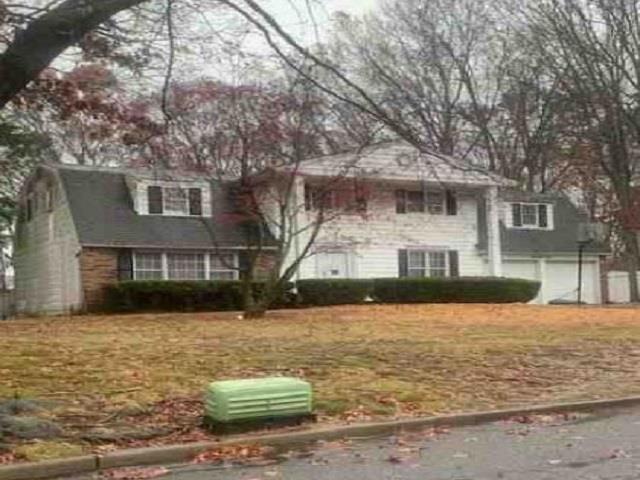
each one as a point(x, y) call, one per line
point(333, 291)
point(162, 295)
point(454, 290)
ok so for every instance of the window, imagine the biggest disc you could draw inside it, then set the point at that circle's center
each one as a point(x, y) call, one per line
point(426, 263)
point(416, 265)
point(316, 198)
point(435, 203)
point(530, 215)
point(408, 201)
point(148, 266)
point(223, 267)
point(437, 264)
point(174, 201)
point(186, 266)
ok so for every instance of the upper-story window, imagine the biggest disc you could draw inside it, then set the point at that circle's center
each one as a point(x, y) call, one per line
point(435, 202)
point(174, 200)
point(530, 215)
point(348, 199)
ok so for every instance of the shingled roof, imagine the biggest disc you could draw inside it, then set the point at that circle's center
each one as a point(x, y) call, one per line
point(562, 239)
point(103, 214)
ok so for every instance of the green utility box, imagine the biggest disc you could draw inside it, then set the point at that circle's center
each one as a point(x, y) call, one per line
point(257, 402)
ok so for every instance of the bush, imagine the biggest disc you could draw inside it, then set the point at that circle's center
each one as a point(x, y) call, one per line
point(333, 291)
point(162, 295)
point(455, 290)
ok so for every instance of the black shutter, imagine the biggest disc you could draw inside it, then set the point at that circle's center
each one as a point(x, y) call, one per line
point(195, 201)
point(308, 198)
point(543, 220)
point(454, 264)
point(516, 212)
point(125, 265)
point(154, 195)
point(401, 201)
point(243, 263)
point(403, 263)
point(452, 202)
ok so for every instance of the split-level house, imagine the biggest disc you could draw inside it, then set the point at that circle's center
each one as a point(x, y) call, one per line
point(81, 229)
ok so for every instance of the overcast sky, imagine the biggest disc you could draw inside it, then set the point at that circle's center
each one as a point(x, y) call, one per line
point(295, 16)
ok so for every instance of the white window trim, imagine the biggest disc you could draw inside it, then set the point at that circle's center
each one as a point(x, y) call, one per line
point(235, 269)
point(550, 216)
point(164, 185)
point(207, 263)
point(427, 266)
point(175, 213)
point(135, 263)
point(442, 204)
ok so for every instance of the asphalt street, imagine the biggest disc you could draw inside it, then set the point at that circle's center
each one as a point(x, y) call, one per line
point(605, 445)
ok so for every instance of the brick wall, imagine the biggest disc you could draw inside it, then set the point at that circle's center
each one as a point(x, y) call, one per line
point(98, 268)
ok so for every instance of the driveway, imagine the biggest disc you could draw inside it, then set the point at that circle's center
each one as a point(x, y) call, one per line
point(601, 446)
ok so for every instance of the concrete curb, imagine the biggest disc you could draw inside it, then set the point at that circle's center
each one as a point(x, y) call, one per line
point(185, 452)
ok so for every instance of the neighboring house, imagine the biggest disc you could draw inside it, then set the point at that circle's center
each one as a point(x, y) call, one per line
point(81, 229)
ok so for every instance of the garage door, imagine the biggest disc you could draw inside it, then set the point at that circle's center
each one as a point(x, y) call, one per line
point(527, 269)
point(562, 281)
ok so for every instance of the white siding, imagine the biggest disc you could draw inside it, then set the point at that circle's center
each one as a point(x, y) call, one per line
point(619, 291)
point(46, 263)
point(373, 239)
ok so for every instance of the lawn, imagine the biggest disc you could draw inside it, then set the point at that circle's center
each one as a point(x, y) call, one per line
point(363, 361)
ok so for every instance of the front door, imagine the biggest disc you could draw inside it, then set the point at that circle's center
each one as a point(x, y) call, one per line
point(333, 265)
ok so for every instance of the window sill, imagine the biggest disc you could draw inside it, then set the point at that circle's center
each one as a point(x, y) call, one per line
point(541, 229)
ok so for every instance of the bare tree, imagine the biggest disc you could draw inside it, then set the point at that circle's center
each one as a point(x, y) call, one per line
point(252, 140)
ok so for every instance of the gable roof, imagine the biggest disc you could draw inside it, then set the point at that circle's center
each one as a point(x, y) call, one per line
point(102, 211)
point(562, 239)
point(398, 160)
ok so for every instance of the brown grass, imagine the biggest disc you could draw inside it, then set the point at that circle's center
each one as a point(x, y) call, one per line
point(388, 359)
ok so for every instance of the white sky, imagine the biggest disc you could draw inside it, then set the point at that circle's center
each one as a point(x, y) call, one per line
point(295, 16)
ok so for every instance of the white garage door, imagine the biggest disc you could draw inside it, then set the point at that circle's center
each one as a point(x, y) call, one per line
point(560, 280)
point(527, 269)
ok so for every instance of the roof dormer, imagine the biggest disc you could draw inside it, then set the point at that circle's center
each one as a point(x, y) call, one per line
point(174, 198)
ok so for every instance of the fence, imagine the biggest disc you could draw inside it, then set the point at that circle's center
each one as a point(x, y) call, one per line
point(7, 304)
point(619, 287)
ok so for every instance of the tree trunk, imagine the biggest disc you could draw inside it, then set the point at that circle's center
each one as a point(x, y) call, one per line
point(45, 38)
point(633, 261)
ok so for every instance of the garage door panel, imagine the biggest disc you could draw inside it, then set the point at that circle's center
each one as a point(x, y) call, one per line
point(562, 281)
point(527, 269)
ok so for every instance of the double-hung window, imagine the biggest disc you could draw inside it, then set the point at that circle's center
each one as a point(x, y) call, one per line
point(148, 266)
point(223, 267)
point(186, 266)
point(174, 200)
point(435, 202)
point(530, 215)
point(427, 263)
